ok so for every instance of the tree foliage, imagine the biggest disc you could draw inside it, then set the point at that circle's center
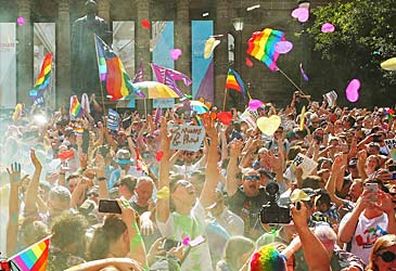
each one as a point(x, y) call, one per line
point(365, 36)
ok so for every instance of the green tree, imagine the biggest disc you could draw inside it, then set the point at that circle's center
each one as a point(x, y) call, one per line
point(365, 36)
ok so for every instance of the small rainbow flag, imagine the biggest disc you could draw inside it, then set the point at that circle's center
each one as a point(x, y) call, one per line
point(234, 81)
point(75, 106)
point(261, 46)
point(112, 72)
point(44, 77)
point(33, 258)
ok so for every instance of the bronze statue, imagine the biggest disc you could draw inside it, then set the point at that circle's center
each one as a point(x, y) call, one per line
point(84, 63)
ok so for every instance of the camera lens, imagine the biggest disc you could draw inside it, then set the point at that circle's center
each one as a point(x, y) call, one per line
point(272, 188)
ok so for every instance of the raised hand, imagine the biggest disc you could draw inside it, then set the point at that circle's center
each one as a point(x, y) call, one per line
point(14, 173)
point(210, 128)
point(36, 162)
point(236, 148)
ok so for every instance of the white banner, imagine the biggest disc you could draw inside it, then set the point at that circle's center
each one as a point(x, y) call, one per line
point(187, 137)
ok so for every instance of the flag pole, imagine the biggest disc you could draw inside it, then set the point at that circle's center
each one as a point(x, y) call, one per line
point(100, 82)
point(225, 99)
point(291, 81)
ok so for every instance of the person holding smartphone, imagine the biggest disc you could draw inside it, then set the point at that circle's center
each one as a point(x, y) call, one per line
point(372, 217)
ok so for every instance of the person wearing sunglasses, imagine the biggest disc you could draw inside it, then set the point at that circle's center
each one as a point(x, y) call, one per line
point(383, 254)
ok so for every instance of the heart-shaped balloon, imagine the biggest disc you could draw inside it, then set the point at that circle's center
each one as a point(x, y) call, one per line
point(389, 65)
point(352, 91)
point(255, 104)
point(20, 20)
point(225, 117)
point(268, 126)
point(145, 24)
point(327, 28)
point(159, 155)
point(301, 14)
point(175, 54)
point(283, 47)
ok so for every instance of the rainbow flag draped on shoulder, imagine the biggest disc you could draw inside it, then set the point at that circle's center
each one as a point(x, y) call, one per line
point(44, 76)
point(234, 81)
point(33, 258)
point(261, 46)
point(112, 73)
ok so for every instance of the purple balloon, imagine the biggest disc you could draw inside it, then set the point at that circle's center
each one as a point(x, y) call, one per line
point(20, 20)
point(283, 47)
point(301, 14)
point(352, 91)
point(327, 28)
point(255, 104)
point(175, 54)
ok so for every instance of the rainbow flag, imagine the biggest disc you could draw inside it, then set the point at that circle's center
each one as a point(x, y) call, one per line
point(75, 107)
point(262, 46)
point(44, 77)
point(234, 81)
point(33, 258)
point(112, 72)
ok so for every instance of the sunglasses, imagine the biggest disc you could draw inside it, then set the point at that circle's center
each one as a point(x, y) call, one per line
point(387, 256)
point(252, 178)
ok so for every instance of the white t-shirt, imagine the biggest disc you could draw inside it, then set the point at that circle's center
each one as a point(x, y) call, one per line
point(366, 233)
point(180, 226)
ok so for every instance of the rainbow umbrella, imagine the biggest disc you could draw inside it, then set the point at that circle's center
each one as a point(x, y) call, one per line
point(199, 107)
point(154, 90)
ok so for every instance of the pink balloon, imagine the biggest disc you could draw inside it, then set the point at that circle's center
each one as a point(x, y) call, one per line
point(352, 91)
point(255, 104)
point(327, 28)
point(283, 47)
point(301, 14)
point(248, 62)
point(175, 54)
point(20, 20)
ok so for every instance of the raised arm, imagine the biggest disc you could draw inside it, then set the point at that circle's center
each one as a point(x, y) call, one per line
point(162, 213)
point(317, 259)
point(208, 194)
point(14, 174)
point(331, 184)
point(232, 168)
point(32, 190)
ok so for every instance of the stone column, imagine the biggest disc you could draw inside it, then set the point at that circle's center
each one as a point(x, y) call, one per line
point(104, 9)
point(63, 53)
point(142, 49)
point(24, 53)
point(222, 25)
point(183, 36)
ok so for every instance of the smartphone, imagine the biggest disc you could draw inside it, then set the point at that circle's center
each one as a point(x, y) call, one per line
point(109, 206)
point(372, 188)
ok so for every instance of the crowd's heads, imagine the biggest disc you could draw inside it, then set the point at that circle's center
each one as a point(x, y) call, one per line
point(251, 182)
point(237, 251)
point(126, 186)
point(123, 158)
point(59, 200)
point(144, 190)
point(383, 254)
point(183, 195)
point(268, 258)
point(109, 240)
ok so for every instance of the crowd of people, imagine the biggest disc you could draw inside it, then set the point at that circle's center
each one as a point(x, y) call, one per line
point(126, 200)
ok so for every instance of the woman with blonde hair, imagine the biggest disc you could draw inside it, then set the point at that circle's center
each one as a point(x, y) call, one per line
point(383, 254)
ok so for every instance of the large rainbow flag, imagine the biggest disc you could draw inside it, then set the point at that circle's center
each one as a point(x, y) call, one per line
point(112, 72)
point(33, 258)
point(234, 81)
point(44, 76)
point(261, 46)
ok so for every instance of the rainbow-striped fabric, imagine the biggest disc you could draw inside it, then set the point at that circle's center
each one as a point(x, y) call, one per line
point(75, 107)
point(234, 81)
point(33, 258)
point(261, 46)
point(44, 76)
point(112, 72)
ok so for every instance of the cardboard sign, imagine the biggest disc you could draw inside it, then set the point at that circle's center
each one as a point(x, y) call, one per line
point(187, 137)
point(331, 98)
point(391, 145)
point(250, 117)
point(306, 163)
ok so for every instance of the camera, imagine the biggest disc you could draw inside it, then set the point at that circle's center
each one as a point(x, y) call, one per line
point(272, 213)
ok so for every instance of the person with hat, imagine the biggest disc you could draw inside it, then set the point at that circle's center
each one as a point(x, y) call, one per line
point(125, 167)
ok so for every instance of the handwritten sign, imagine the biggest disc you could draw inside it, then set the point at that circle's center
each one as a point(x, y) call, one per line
point(187, 137)
point(391, 145)
point(250, 117)
point(306, 163)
